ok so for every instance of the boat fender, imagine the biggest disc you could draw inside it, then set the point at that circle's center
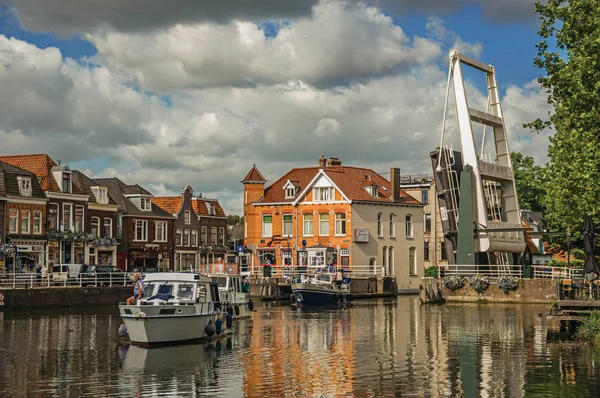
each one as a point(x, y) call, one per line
point(229, 321)
point(250, 305)
point(218, 326)
point(209, 329)
point(122, 330)
point(237, 310)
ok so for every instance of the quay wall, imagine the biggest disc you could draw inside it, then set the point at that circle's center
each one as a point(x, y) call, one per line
point(64, 296)
point(361, 287)
point(529, 291)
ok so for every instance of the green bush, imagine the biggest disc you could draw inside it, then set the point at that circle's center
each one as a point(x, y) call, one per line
point(431, 272)
point(579, 254)
point(589, 329)
point(559, 263)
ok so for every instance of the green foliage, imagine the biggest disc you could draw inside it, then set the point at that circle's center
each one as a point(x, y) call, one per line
point(431, 272)
point(576, 263)
point(235, 220)
point(569, 54)
point(579, 254)
point(589, 329)
point(531, 182)
point(479, 283)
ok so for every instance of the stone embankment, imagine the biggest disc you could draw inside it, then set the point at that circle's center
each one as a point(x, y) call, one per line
point(64, 296)
point(529, 291)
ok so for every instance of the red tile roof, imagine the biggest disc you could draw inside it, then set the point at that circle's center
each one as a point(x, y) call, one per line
point(254, 175)
point(170, 204)
point(40, 164)
point(350, 180)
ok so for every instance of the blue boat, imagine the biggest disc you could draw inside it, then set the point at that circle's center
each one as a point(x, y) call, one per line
point(326, 287)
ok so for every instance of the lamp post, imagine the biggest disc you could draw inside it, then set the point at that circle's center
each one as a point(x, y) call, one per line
point(568, 247)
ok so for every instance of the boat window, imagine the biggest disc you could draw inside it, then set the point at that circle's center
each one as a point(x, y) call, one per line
point(149, 289)
point(324, 278)
point(220, 281)
point(165, 289)
point(202, 294)
point(186, 291)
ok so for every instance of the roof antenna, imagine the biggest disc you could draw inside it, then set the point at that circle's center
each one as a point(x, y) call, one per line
point(59, 162)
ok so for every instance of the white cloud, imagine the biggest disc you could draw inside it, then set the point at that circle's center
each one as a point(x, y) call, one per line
point(210, 137)
point(341, 41)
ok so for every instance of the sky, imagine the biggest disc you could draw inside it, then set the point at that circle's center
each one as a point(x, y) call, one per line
point(166, 96)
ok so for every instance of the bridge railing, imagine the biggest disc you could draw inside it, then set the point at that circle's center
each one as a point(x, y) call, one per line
point(280, 271)
point(495, 271)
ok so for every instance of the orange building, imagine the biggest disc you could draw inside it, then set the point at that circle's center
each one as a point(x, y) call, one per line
point(348, 216)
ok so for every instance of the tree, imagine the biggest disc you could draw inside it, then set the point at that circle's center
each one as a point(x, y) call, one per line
point(569, 53)
point(530, 180)
point(234, 220)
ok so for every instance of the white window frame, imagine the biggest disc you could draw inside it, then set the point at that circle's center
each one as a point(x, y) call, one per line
point(392, 226)
point(321, 222)
point(194, 238)
point(57, 214)
point(222, 235)
point(186, 238)
point(266, 233)
point(425, 196)
point(187, 217)
point(146, 204)
point(290, 222)
point(373, 191)
point(290, 193)
point(28, 218)
point(38, 215)
point(213, 233)
point(13, 218)
point(409, 227)
point(24, 185)
point(323, 194)
point(101, 194)
point(162, 236)
point(144, 225)
point(306, 223)
point(70, 226)
point(379, 225)
point(82, 218)
point(178, 237)
point(97, 219)
point(204, 236)
point(110, 224)
point(425, 217)
point(65, 175)
point(412, 261)
point(338, 224)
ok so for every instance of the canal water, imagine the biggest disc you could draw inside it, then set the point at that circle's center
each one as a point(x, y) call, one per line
point(377, 348)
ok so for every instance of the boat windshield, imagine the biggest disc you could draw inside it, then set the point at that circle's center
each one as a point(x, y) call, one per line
point(185, 291)
point(323, 278)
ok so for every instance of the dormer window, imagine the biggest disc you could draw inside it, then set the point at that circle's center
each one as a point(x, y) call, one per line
point(373, 191)
point(146, 204)
point(101, 194)
point(66, 182)
point(290, 193)
point(211, 209)
point(24, 185)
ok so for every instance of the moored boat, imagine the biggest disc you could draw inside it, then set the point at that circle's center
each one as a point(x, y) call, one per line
point(325, 287)
point(234, 294)
point(177, 307)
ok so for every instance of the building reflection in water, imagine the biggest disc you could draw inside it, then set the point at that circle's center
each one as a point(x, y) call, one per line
point(382, 348)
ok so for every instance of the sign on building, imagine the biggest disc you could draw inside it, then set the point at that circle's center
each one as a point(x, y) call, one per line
point(361, 235)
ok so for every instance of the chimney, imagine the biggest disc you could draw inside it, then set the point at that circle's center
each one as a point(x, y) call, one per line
point(334, 162)
point(395, 183)
point(322, 161)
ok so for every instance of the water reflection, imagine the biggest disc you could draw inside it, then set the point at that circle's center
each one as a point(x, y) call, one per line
point(381, 348)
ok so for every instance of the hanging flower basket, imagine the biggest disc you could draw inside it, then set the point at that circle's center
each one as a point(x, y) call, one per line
point(7, 250)
point(454, 282)
point(79, 236)
point(508, 283)
point(480, 283)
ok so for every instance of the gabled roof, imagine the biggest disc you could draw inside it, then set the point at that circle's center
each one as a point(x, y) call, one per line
point(85, 184)
point(117, 188)
point(350, 180)
point(170, 204)
point(9, 185)
point(39, 164)
point(254, 175)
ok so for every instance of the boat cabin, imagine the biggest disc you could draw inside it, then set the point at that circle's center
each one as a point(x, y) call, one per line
point(178, 288)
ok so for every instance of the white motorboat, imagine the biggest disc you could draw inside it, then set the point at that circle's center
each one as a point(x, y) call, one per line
point(234, 294)
point(176, 307)
point(326, 286)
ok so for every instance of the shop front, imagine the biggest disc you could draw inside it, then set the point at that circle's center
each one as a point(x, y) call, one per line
point(185, 260)
point(27, 256)
point(66, 252)
point(102, 255)
point(149, 256)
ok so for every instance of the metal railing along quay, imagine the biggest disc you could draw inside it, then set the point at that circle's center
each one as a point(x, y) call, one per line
point(495, 271)
point(33, 280)
point(281, 271)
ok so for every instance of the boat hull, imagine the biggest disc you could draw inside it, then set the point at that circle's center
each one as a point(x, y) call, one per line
point(147, 326)
point(311, 295)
